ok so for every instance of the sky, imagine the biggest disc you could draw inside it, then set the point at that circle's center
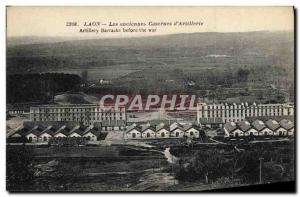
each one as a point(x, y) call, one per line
point(51, 21)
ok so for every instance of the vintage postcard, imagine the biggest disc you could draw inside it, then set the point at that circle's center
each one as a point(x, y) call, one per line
point(149, 98)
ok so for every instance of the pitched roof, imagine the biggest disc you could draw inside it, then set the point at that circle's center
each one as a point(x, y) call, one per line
point(189, 126)
point(87, 129)
point(21, 131)
point(286, 124)
point(138, 128)
point(244, 125)
point(177, 126)
point(77, 130)
point(93, 131)
point(162, 126)
point(230, 126)
point(145, 127)
point(36, 130)
point(63, 129)
point(258, 125)
point(272, 124)
point(48, 130)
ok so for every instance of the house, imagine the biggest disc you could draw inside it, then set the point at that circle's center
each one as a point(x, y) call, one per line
point(32, 135)
point(262, 128)
point(162, 131)
point(134, 132)
point(237, 133)
point(228, 128)
point(148, 131)
point(280, 131)
point(174, 125)
point(76, 132)
point(91, 133)
point(231, 129)
point(265, 132)
point(46, 134)
point(246, 127)
point(62, 132)
point(191, 131)
point(177, 131)
point(258, 125)
point(273, 125)
point(287, 125)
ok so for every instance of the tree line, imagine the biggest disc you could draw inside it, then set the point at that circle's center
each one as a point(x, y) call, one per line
point(39, 87)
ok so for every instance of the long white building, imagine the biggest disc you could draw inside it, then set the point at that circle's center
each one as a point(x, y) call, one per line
point(86, 114)
point(239, 112)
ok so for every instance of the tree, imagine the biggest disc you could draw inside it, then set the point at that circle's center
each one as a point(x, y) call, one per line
point(208, 165)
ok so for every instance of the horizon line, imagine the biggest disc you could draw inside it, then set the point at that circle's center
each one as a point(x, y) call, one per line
point(139, 36)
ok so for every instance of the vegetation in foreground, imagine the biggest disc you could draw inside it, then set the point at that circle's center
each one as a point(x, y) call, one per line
point(222, 168)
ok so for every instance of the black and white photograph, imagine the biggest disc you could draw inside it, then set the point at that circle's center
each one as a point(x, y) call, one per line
point(149, 99)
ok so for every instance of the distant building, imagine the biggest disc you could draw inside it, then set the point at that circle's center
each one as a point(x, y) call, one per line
point(113, 125)
point(192, 131)
point(288, 125)
point(162, 131)
point(42, 132)
point(104, 82)
point(259, 128)
point(134, 132)
point(86, 114)
point(240, 112)
point(148, 131)
point(176, 130)
point(17, 109)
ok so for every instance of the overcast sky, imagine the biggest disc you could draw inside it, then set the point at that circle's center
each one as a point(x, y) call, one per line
point(51, 21)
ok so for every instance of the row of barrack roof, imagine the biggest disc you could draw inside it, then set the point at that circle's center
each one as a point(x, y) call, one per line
point(162, 130)
point(271, 127)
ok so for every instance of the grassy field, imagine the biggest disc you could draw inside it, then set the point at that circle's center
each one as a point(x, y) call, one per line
point(112, 168)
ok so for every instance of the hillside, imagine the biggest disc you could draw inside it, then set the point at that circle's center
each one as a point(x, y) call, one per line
point(164, 63)
point(197, 49)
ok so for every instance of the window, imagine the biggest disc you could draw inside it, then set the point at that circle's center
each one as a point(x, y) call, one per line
point(191, 133)
point(88, 138)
